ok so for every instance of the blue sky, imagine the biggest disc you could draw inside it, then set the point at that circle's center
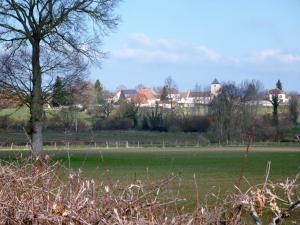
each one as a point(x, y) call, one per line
point(195, 41)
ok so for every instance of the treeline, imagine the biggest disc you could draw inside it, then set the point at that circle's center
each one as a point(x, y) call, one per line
point(231, 117)
point(129, 116)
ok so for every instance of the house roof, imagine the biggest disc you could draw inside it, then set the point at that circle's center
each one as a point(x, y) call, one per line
point(197, 94)
point(148, 93)
point(276, 91)
point(215, 81)
point(129, 92)
point(184, 94)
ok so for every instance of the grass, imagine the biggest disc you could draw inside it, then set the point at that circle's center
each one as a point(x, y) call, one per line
point(103, 136)
point(16, 114)
point(134, 138)
point(215, 169)
point(22, 114)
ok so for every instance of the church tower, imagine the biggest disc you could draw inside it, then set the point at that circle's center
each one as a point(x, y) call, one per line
point(215, 87)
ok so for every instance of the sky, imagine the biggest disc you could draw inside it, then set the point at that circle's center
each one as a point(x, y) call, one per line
point(195, 41)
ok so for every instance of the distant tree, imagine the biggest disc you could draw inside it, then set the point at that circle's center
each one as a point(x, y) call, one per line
point(275, 103)
point(225, 112)
point(164, 94)
point(98, 89)
point(170, 83)
point(60, 96)
point(82, 93)
point(294, 109)
point(172, 89)
point(140, 86)
point(155, 119)
point(145, 123)
point(128, 110)
point(106, 109)
point(251, 90)
point(279, 85)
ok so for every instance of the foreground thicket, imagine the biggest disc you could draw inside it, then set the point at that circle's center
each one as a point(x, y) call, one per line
point(39, 193)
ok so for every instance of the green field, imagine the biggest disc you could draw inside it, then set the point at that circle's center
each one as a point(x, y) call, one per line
point(215, 169)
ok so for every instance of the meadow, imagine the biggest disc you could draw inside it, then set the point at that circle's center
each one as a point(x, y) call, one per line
point(199, 170)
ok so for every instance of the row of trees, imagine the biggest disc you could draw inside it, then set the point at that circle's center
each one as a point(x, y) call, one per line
point(76, 92)
point(230, 117)
point(235, 113)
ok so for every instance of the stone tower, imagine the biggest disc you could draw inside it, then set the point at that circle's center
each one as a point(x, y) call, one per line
point(215, 87)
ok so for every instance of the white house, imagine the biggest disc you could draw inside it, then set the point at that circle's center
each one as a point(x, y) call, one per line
point(280, 93)
point(192, 98)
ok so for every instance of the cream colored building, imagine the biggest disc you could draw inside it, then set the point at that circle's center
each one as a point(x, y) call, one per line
point(215, 87)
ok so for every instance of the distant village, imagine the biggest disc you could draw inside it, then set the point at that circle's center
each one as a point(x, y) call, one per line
point(165, 97)
point(149, 97)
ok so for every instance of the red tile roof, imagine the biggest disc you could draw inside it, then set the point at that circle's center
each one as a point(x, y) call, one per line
point(148, 93)
point(275, 91)
point(184, 94)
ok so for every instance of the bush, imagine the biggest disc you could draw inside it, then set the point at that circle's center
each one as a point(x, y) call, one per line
point(118, 124)
point(196, 124)
point(98, 124)
point(8, 123)
point(94, 111)
point(65, 119)
point(5, 122)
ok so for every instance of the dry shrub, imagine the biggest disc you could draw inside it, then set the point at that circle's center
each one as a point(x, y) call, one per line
point(34, 192)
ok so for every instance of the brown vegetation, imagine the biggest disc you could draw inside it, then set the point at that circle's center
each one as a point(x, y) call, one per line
point(7, 100)
point(39, 193)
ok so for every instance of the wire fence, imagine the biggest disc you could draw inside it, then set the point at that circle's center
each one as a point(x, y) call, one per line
point(111, 144)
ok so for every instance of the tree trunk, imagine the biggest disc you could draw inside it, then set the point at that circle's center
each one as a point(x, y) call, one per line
point(36, 103)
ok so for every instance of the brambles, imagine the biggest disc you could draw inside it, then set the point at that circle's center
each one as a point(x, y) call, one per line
point(39, 193)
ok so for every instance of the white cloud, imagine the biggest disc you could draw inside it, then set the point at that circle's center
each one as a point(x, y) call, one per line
point(274, 55)
point(141, 48)
point(210, 54)
point(155, 55)
point(139, 39)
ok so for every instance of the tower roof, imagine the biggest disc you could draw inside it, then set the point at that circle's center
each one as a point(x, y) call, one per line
point(215, 81)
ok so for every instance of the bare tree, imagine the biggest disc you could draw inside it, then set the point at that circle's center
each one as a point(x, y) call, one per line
point(225, 111)
point(252, 90)
point(48, 35)
point(294, 108)
point(172, 89)
point(140, 86)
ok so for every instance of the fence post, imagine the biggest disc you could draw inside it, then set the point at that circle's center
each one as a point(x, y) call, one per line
point(106, 144)
point(95, 144)
point(163, 143)
point(11, 146)
point(138, 144)
point(127, 144)
point(117, 145)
